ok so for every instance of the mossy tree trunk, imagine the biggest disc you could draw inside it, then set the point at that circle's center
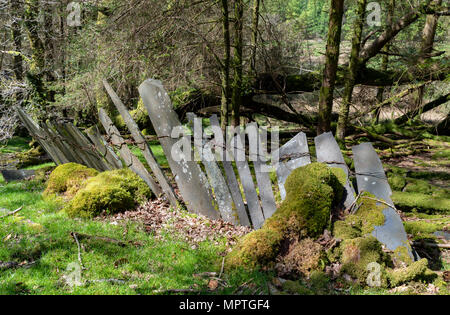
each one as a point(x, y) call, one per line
point(331, 65)
point(225, 102)
point(35, 75)
point(16, 33)
point(238, 61)
point(353, 70)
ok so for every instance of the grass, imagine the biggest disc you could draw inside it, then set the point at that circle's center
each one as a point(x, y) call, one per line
point(14, 145)
point(41, 233)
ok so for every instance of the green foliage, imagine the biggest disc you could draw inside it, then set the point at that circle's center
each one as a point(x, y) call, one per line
point(110, 192)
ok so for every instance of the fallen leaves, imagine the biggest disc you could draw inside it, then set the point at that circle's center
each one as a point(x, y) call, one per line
point(158, 218)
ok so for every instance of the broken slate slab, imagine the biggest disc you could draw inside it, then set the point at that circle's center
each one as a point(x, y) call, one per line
point(371, 178)
point(328, 151)
point(292, 155)
point(15, 175)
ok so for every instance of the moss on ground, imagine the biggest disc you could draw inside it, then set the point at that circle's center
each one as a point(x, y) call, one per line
point(403, 275)
point(312, 192)
point(424, 228)
point(406, 201)
point(358, 253)
point(110, 192)
point(67, 179)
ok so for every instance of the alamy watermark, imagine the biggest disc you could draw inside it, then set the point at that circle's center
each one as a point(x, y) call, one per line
point(74, 16)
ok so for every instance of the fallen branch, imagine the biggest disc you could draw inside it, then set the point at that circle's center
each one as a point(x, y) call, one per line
point(109, 240)
point(11, 213)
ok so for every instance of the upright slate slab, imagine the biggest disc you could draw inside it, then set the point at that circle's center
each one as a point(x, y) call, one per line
point(191, 180)
point(262, 176)
point(218, 183)
point(230, 176)
point(254, 207)
point(328, 151)
point(370, 177)
point(292, 155)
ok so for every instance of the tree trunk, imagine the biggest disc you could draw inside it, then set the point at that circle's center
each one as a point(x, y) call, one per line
point(17, 15)
point(225, 102)
point(353, 70)
point(238, 61)
point(384, 59)
point(428, 34)
point(331, 65)
point(254, 40)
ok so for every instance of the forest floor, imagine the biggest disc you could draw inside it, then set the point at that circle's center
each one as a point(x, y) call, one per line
point(137, 253)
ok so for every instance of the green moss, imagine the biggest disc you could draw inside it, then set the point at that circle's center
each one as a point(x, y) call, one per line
point(295, 287)
point(421, 202)
point(423, 229)
point(31, 157)
point(419, 186)
point(415, 270)
point(67, 179)
point(358, 253)
point(397, 182)
point(363, 222)
point(348, 228)
point(110, 192)
point(312, 192)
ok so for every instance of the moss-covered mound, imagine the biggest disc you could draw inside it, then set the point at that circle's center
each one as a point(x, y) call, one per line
point(312, 192)
point(110, 192)
point(67, 179)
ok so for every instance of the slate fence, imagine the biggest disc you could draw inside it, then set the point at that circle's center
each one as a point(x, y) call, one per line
point(216, 188)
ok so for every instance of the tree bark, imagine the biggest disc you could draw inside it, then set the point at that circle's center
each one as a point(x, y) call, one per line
point(17, 15)
point(225, 101)
point(428, 34)
point(384, 58)
point(254, 40)
point(331, 65)
point(238, 61)
point(353, 69)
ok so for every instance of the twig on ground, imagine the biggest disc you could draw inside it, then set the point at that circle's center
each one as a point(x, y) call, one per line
point(109, 240)
point(221, 269)
point(11, 213)
point(74, 235)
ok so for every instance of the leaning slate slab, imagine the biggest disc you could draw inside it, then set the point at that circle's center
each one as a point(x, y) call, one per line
point(292, 155)
point(192, 182)
point(328, 151)
point(15, 175)
point(371, 178)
